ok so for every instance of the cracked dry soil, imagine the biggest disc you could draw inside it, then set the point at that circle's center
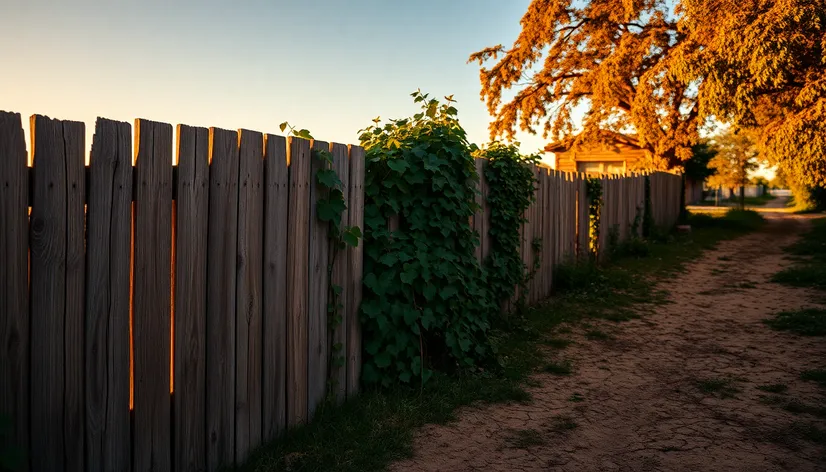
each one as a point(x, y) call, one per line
point(636, 402)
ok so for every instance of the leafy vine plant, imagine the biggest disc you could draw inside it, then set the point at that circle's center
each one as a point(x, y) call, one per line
point(329, 209)
point(593, 188)
point(511, 190)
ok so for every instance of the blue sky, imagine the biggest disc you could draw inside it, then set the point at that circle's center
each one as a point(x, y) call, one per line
point(326, 65)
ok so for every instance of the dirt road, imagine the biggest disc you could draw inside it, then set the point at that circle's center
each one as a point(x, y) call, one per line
point(674, 391)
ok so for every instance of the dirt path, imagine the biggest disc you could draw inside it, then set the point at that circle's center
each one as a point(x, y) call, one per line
point(673, 391)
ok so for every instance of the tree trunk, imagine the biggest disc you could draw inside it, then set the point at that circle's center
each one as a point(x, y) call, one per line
point(742, 197)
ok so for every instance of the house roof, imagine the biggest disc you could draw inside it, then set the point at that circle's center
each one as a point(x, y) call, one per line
point(606, 136)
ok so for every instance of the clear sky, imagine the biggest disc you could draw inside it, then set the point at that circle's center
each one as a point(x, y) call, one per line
point(326, 65)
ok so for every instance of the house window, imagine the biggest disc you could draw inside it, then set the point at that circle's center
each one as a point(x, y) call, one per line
point(601, 167)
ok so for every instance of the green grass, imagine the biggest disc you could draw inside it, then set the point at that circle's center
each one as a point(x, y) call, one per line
point(723, 387)
point(562, 423)
point(809, 253)
point(816, 375)
point(773, 388)
point(808, 322)
point(377, 427)
point(576, 398)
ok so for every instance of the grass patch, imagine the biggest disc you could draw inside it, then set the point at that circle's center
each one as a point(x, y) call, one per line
point(722, 387)
point(562, 423)
point(816, 375)
point(797, 407)
point(558, 368)
point(576, 398)
point(773, 388)
point(524, 438)
point(376, 428)
point(808, 322)
point(809, 269)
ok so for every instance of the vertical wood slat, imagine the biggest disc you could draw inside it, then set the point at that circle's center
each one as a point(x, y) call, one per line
point(341, 276)
point(191, 231)
point(548, 240)
point(109, 228)
point(298, 156)
point(75, 147)
point(355, 263)
point(57, 255)
point(14, 290)
point(222, 244)
point(543, 210)
point(274, 316)
point(317, 315)
point(151, 307)
point(249, 268)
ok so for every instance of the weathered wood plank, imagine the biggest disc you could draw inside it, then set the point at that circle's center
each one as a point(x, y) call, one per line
point(298, 157)
point(319, 285)
point(74, 134)
point(222, 246)
point(274, 316)
point(109, 235)
point(248, 301)
point(341, 278)
point(151, 306)
point(48, 294)
point(355, 262)
point(191, 230)
point(14, 296)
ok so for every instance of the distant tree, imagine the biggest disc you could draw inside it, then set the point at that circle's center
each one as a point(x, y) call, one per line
point(779, 181)
point(697, 167)
point(759, 181)
point(736, 158)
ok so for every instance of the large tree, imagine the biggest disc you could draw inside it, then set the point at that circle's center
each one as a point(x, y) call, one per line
point(614, 57)
point(654, 70)
point(736, 158)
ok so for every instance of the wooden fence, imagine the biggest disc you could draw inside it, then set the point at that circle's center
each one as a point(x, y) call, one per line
point(559, 220)
point(175, 316)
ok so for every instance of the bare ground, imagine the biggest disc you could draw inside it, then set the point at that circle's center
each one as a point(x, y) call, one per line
point(673, 391)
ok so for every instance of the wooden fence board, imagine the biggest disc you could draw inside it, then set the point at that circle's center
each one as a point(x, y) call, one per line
point(222, 245)
point(191, 231)
point(109, 231)
point(341, 277)
point(355, 262)
point(319, 286)
point(274, 318)
point(14, 238)
point(48, 294)
point(297, 280)
point(249, 267)
point(151, 308)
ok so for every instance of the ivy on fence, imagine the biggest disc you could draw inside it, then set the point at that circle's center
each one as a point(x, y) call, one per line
point(593, 188)
point(329, 209)
point(425, 303)
point(511, 190)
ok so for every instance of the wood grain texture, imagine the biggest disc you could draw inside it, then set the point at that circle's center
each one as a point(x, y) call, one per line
point(152, 297)
point(319, 286)
point(48, 294)
point(274, 316)
point(355, 261)
point(341, 277)
point(14, 290)
point(298, 157)
point(249, 294)
point(109, 235)
point(222, 244)
point(74, 144)
point(191, 230)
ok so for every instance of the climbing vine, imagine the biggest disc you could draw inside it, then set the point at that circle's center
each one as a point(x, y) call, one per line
point(425, 304)
point(511, 190)
point(330, 207)
point(593, 188)
point(647, 217)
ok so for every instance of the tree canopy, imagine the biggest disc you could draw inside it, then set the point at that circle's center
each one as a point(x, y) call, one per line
point(736, 158)
point(654, 71)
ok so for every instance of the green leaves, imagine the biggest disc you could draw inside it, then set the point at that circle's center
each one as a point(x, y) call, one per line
point(328, 178)
point(422, 283)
